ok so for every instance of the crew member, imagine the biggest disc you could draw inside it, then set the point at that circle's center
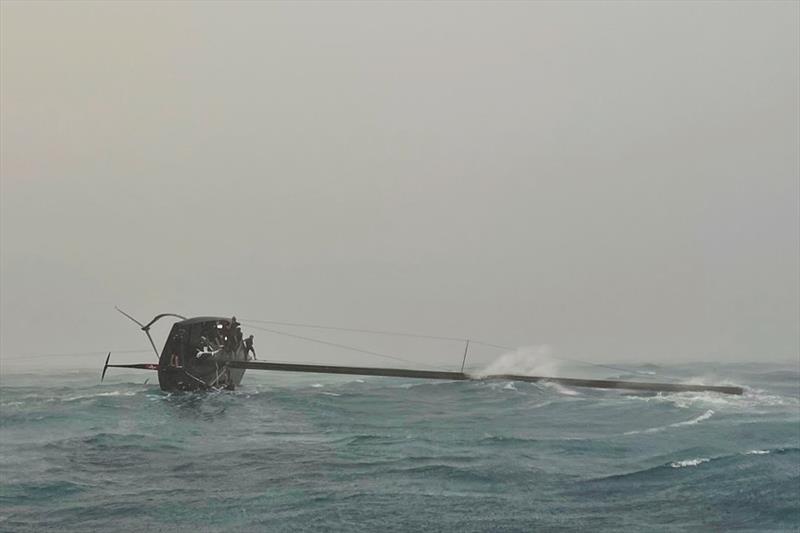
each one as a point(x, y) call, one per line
point(248, 344)
point(237, 332)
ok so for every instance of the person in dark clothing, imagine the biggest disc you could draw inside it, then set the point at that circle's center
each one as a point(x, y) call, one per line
point(248, 345)
point(236, 333)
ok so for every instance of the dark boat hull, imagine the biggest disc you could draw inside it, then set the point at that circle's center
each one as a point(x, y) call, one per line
point(198, 353)
point(212, 375)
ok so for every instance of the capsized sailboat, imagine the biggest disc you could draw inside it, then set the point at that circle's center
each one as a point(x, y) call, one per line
point(210, 353)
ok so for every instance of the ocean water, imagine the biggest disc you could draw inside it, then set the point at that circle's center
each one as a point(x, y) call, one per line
point(332, 453)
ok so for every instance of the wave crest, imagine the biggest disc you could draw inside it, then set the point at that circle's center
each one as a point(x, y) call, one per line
point(705, 416)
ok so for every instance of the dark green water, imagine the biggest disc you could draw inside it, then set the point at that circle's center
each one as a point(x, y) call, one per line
point(324, 453)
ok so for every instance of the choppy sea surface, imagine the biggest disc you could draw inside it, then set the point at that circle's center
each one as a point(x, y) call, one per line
point(328, 453)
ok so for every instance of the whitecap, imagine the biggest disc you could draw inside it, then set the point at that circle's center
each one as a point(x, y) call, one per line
point(751, 399)
point(689, 462)
point(757, 452)
point(705, 416)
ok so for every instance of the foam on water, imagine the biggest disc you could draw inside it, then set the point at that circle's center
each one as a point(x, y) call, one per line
point(98, 395)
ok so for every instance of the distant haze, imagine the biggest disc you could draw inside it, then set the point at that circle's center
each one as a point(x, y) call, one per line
point(618, 181)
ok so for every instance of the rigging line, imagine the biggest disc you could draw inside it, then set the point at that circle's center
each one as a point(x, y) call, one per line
point(352, 348)
point(434, 337)
point(357, 330)
point(617, 368)
point(509, 348)
point(491, 345)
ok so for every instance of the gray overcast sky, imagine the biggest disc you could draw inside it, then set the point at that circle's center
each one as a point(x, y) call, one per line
point(617, 180)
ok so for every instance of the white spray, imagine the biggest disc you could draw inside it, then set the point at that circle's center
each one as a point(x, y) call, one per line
point(525, 361)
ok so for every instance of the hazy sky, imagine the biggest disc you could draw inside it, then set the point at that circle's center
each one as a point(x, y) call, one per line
point(617, 180)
